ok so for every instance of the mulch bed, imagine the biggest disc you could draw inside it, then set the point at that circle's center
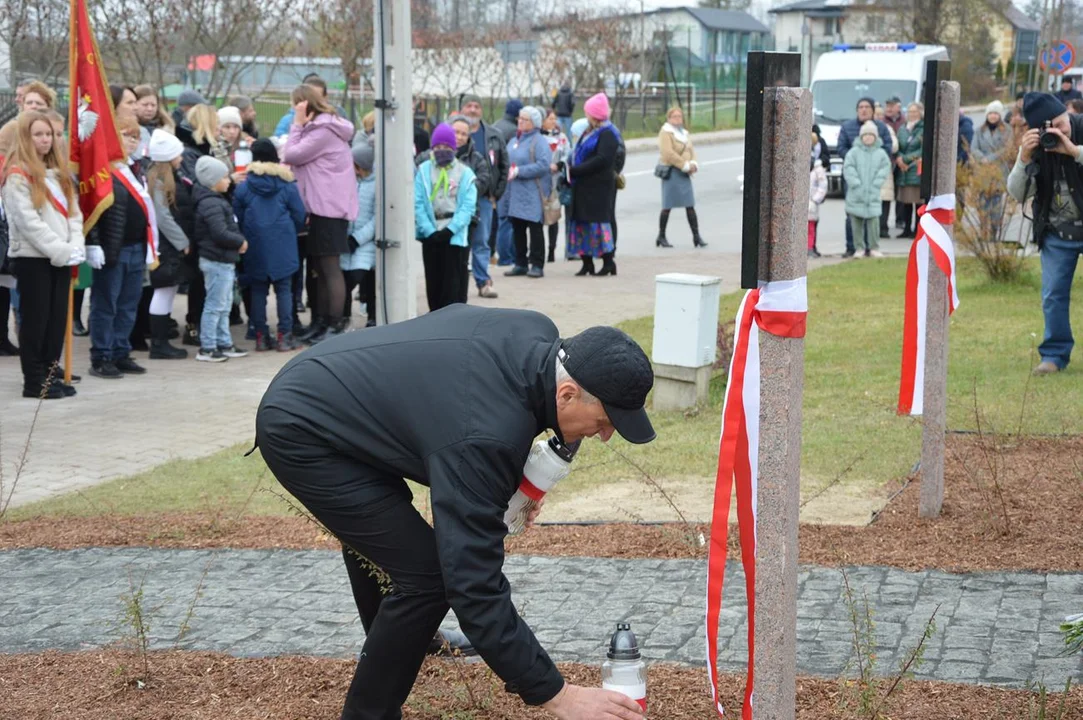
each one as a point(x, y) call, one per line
point(102, 685)
point(1009, 504)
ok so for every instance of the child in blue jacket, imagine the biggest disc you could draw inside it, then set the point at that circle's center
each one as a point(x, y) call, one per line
point(357, 266)
point(270, 213)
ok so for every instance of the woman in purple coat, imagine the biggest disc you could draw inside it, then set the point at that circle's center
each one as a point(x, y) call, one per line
point(318, 151)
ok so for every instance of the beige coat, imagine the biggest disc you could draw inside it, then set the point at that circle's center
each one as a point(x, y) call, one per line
point(40, 233)
point(673, 151)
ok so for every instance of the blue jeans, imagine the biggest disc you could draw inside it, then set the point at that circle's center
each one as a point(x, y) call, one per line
point(214, 325)
point(479, 242)
point(114, 300)
point(505, 242)
point(565, 122)
point(284, 301)
point(1059, 259)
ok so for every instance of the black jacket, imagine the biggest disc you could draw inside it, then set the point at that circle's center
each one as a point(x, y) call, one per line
point(123, 223)
point(216, 230)
point(1056, 168)
point(402, 399)
point(594, 181)
point(564, 102)
point(496, 153)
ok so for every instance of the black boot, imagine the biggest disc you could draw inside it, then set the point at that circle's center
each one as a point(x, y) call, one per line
point(663, 220)
point(693, 223)
point(191, 335)
point(552, 244)
point(609, 267)
point(160, 348)
point(588, 266)
point(318, 326)
point(336, 327)
point(77, 328)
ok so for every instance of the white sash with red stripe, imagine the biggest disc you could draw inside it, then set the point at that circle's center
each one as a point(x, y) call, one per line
point(932, 240)
point(779, 308)
point(138, 192)
point(56, 195)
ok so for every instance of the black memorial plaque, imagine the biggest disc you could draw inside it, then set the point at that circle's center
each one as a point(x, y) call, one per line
point(765, 70)
point(935, 71)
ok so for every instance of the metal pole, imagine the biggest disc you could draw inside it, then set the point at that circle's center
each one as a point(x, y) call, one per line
point(714, 80)
point(688, 72)
point(737, 97)
point(397, 257)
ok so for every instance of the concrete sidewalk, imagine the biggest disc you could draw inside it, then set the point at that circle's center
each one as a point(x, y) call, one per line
point(185, 409)
point(991, 628)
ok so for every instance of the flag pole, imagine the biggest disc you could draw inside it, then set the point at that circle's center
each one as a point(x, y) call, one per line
point(68, 329)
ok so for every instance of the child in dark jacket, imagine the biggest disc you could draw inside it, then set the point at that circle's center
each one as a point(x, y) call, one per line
point(221, 245)
point(270, 211)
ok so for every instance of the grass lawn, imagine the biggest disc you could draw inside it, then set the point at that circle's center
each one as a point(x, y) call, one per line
point(851, 386)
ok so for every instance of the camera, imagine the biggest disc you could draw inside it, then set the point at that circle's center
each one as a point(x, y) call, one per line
point(1047, 140)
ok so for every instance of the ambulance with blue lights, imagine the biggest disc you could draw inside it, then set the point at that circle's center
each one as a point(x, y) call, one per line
point(850, 72)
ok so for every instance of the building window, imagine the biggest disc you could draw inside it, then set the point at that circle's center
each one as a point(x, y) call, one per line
point(830, 26)
point(875, 23)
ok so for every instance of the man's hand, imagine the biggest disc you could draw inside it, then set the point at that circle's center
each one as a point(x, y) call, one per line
point(580, 703)
point(1029, 144)
point(244, 248)
point(1065, 146)
point(533, 514)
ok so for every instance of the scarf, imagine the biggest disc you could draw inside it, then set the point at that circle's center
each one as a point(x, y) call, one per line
point(679, 133)
point(589, 142)
point(441, 179)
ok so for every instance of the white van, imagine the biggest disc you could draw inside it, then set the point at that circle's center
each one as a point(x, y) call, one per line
point(876, 70)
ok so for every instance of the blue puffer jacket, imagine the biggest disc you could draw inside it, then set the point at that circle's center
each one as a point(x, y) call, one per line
point(363, 229)
point(466, 204)
point(270, 213)
point(522, 197)
point(850, 135)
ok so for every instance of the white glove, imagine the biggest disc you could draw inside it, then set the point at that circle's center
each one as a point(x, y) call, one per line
point(95, 257)
point(77, 256)
point(686, 168)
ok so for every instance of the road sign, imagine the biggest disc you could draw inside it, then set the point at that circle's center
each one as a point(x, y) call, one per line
point(1058, 58)
point(1026, 46)
point(517, 50)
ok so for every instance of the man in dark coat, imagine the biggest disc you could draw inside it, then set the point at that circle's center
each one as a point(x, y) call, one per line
point(564, 106)
point(508, 125)
point(344, 423)
point(1068, 91)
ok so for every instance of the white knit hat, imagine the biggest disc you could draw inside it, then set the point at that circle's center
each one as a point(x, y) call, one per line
point(164, 147)
point(994, 107)
point(229, 115)
point(869, 128)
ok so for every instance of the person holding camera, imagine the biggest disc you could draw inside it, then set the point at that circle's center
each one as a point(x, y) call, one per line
point(1049, 170)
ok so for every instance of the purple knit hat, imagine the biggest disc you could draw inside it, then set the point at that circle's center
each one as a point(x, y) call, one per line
point(444, 134)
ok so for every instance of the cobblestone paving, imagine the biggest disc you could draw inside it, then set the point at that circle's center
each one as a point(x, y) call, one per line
point(992, 628)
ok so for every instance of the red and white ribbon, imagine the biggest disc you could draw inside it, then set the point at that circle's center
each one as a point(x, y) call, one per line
point(779, 308)
point(932, 240)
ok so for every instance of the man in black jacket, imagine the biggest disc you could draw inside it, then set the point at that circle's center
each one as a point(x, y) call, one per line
point(489, 142)
point(344, 423)
point(564, 106)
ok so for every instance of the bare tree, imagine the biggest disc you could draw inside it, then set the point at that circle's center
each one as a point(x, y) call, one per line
point(344, 29)
point(36, 32)
point(138, 39)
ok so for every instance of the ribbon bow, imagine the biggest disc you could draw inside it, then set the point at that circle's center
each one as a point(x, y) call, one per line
point(932, 239)
point(781, 309)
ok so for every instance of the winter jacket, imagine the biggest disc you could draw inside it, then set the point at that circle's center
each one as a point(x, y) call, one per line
point(1067, 97)
point(496, 152)
point(217, 235)
point(866, 168)
point(560, 150)
point(817, 190)
point(989, 144)
point(123, 223)
point(473, 160)
point(564, 102)
point(675, 148)
point(363, 228)
point(319, 155)
point(594, 179)
point(530, 156)
point(507, 126)
point(466, 203)
point(385, 399)
point(40, 232)
point(850, 135)
point(966, 138)
point(173, 231)
point(910, 149)
point(193, 151)
point(269, 213)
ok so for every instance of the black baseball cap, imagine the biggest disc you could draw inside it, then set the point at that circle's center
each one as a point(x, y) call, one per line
point(613, 368)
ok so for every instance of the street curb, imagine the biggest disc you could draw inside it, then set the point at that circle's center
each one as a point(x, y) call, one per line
point(644, 145)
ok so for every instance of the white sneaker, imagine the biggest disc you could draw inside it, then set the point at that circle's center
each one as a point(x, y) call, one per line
point(876, 254)
point(213, 356)
point(233, 352)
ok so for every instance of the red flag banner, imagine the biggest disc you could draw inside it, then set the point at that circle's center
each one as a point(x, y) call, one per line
point(95, 142)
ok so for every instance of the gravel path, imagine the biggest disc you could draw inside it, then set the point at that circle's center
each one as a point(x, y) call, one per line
point(992, 628)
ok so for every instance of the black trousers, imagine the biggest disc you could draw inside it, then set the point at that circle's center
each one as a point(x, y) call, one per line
point(536, 254)
point(371, 513)
point(366, 280)
point(445, 273)
point(141, 329)
point(43, 293)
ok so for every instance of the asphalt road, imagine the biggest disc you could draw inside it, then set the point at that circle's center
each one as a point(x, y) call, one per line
point(718, 204)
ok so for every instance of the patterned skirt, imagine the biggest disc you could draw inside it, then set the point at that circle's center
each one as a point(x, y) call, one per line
point(589, 239)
